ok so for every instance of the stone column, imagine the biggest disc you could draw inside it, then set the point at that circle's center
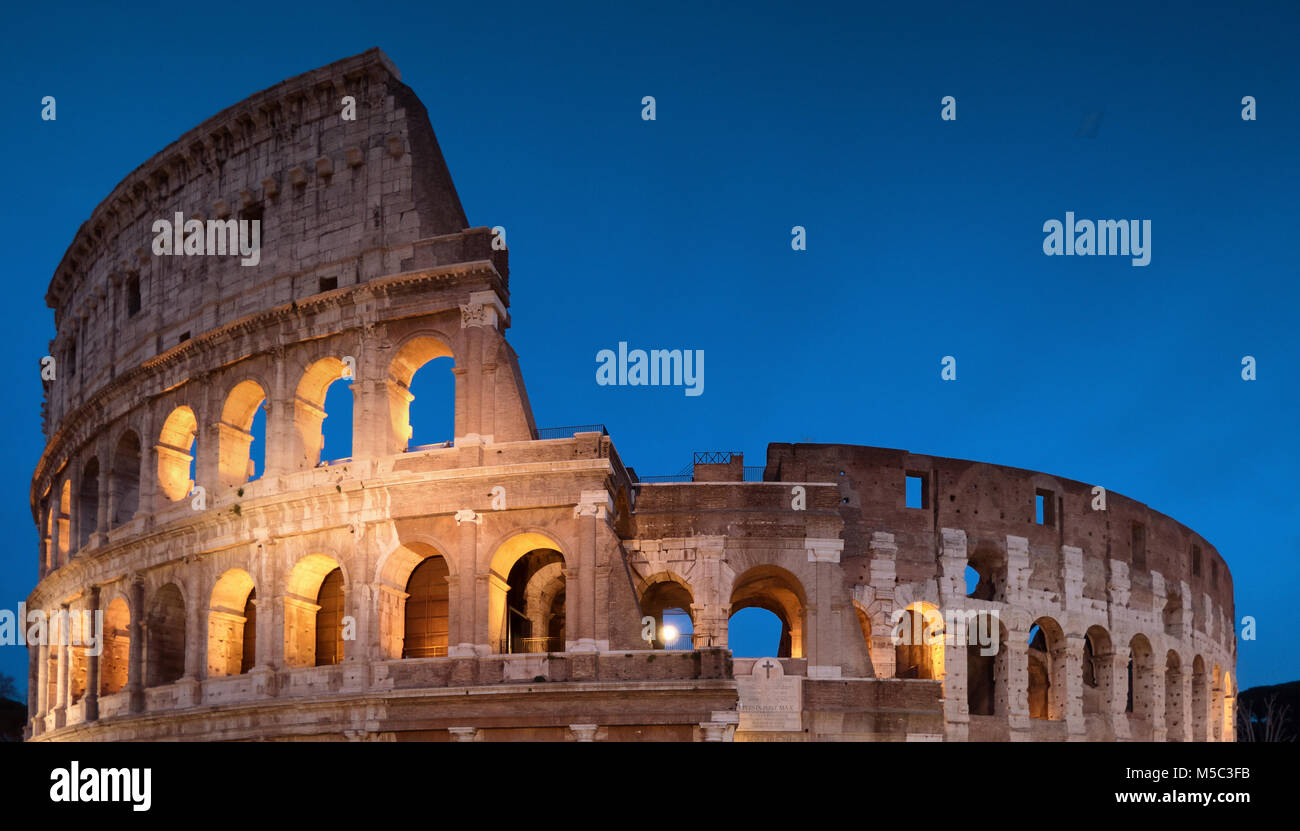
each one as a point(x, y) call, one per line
point(102, 505)
point(822, 630)
point(480, 320)
point(468, 630)
point(1119, 692)
point(1071, 654)
point(884, 556)
point(42, 683)
point(1157, 698)
point(580, 583)
point(1016, 684)
point(92, 660)
point(60, 641)
point(136, 668)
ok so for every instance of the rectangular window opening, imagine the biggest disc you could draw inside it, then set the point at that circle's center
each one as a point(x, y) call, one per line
point(328, 283)
point(918, 495)
point(1196, 561)
point(1044, 507)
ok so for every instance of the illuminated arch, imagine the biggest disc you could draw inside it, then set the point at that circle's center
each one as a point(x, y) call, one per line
point(1200, 700)
point(414, 602)
point(309, 406)
point(413, 354)
point(114, 660)
point(235, 436)
point(175, 448)
point(515, 562)
point(232, 625)
point(919, 642)
point(310, 624)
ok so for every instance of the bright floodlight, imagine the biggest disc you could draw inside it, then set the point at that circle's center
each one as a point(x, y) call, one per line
point(670, 634)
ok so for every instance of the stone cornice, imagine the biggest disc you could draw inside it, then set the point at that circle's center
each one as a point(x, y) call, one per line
point(77, 427)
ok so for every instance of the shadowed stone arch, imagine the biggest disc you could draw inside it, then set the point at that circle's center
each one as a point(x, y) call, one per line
point(661, 591)
point(778, 591)
point(88, 497)
point(165, 637)
point(1047, 667)
point(124, 481)
point(1200, 700)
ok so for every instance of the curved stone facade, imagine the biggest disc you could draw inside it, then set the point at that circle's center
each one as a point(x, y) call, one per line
point(496, 586)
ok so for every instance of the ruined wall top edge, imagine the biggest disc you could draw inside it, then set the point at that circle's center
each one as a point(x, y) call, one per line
point(339, 197)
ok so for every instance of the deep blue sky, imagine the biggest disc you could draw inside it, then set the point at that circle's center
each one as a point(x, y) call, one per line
point(924, 237)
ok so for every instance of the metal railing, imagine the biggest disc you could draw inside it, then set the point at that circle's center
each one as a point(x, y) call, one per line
point(569, 432)
point(753, 473)
point(718, 457)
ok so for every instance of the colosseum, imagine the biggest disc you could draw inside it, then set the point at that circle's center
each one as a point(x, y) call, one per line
point(512, 582)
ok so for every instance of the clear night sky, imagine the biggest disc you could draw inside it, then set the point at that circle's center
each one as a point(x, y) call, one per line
point(924, 236)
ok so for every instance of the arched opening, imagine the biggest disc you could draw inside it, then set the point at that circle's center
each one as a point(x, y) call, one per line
point(51, 540)
point(64, 525)
point(535, 603)
point(1200, 694)
point(88, 503)
point(313, 612)
point(414, 603)
point(527, 598)
point(1174, 726)
point(777, 591)
point(166, 637)
point(1216, 706)
point(1098, 674)
point(434, 424)
point(919, 642)
point(320, 395)
point(232, 643)
point(987, 670)
point(176, 449)
point(426, 617)
point(989, 565)
point(114, 661)
point(329, 620)
point(241, 455)
point(1141, 696)
point(666, 598)
point(1046, 658)
point(1229, 725)
point(125, 479)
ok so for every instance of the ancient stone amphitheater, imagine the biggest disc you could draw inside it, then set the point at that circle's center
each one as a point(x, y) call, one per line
point(495, 586)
